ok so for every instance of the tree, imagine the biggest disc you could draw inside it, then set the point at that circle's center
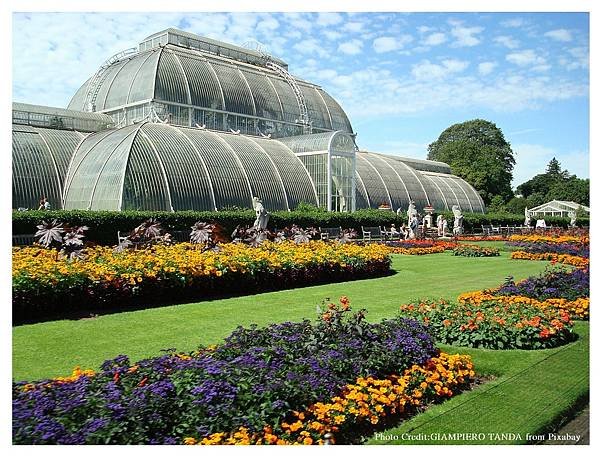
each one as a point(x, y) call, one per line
point(477, 151)
point(555, 184)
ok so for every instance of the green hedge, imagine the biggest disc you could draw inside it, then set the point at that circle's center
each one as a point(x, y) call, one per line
point(105, 224)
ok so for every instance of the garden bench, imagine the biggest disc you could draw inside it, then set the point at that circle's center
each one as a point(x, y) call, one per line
point(180, 236)
point(391, 235)
point(487, 229)
point(372, 233)
point(23, 239)
point(330, 233)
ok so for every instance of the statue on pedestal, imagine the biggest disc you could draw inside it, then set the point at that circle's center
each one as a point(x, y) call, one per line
point(439, 222)
point(573, 217)
point(527, 217)
point(413, 221)
point(262, 216)
point(458, 221)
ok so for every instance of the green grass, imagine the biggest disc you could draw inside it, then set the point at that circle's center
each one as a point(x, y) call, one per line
point(53, 348)
point(531, 391)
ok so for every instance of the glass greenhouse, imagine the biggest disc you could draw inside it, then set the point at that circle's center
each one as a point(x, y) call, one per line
point(184, 122)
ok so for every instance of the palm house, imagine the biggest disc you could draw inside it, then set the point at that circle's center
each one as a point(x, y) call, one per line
point(183, 122)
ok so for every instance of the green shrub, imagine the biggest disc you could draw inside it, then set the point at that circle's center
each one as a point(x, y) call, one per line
point(103, 225)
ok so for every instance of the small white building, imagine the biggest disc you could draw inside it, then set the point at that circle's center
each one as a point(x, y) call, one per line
point(557, 208)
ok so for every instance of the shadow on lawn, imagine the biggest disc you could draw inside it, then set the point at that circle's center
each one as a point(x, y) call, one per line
point(169, 297)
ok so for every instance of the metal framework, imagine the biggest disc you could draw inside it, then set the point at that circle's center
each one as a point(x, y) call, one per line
point(304, 120)
point(98, 78)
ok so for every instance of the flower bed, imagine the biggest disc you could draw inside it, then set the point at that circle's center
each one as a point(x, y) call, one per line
point(553, 283)
point(46, 285)
point(577, 308)
point(256, 378)
point(571, 260)
point(579, 249)
point(559, 238)
point(419, 247)
point(475, 251)
point(360, 406)
point(493, 324)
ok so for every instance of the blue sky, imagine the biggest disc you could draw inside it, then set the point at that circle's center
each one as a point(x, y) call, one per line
point(402, 78)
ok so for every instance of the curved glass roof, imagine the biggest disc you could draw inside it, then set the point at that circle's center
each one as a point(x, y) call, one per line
point(40, 159)
point(390, 180)
point(174, 74)
point(59, 118)
point(152, 166)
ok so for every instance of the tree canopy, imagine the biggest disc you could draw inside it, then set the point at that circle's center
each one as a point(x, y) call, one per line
point(555, 184)
point(477, 151)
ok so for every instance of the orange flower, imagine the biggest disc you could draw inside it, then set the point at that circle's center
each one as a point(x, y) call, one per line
point(447, 322)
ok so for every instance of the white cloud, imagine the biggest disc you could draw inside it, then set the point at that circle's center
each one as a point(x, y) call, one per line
point(425, 29)
point(562, 35)
point(425, 70)
point(311, 46)
point(527, 57)
point(326, 19)
point(390, 43)
point(354, 26)
point(332, 35)
point(513, 23)
point(465, 36)
point(578, 58)
point(454, 65)
point(351, 47)
point(507, 41)
point(435, 39)
point(269, 24)
point(486, 68)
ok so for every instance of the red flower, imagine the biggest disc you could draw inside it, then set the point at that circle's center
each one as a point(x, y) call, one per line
point(143, 382)
point(116, 377)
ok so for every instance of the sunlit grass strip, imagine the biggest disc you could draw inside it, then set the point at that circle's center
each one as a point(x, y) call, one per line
point(360, 406)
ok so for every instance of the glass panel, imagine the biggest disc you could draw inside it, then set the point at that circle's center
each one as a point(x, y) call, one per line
point(262, 174)
point(204, 87)
point(33, 172)
point(228, 181)
point(237, 97)
point(120, 87)
point(372, 181)
point(317, 111)
point(316, 164)
point(394, 184)
point(188, 182)
point(265, 97)
point(170, 81)
point(144, 187)
point(297, 182)
point(142, 86)
point(339, 118)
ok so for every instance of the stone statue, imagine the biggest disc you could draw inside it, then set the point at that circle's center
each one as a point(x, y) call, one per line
point(458, 221)
point(413, 226)
point(411, 211)
point(527, 217)
point(262, 216)
point(439, 222)
point(573, 217)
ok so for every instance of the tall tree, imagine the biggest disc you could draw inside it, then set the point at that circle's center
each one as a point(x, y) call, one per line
point(557, 184)
point(477, 151)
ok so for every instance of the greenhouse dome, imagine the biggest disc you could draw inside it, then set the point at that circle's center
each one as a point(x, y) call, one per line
point(198, 81)
point(184, 122)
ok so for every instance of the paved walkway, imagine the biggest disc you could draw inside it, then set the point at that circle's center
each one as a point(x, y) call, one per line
point(578, 426)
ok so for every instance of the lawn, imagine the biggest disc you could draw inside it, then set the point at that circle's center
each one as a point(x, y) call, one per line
point(531, 391)
point(53, 348)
